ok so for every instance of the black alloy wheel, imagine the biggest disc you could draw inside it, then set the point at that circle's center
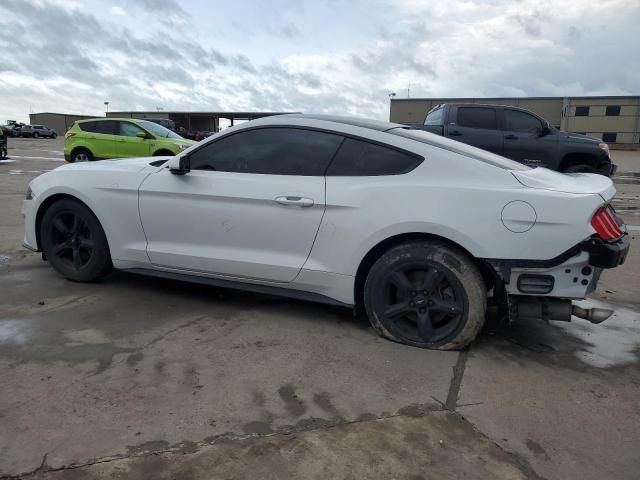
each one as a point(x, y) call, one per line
point(74, 242)
point(71, 238)
point(421, 303)
point(426, 294)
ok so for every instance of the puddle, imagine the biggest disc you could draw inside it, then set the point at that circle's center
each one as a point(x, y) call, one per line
point(614, 342)
point(13, 332)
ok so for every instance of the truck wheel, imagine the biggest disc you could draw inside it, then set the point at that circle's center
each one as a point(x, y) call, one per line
point(81, 155)
point(580, 168)
point(426, 294)
point(74, 242)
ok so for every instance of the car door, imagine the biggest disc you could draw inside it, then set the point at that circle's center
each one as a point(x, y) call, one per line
point(249, 208)
point(129, 143)
point(523, 138)
point(103, 140)
point(477, 126)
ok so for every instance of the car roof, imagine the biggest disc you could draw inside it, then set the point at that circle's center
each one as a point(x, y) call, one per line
point(378, 125)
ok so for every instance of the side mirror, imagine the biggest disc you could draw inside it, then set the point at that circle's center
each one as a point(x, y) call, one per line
point(180, 165)
point(545, 130)
point(142, 134)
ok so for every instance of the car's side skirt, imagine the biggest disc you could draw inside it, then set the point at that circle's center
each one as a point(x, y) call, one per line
point(251, 287)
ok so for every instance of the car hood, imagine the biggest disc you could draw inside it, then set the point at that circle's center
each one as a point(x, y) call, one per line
point(580, 138)
point(578, 183)
point(117, 164)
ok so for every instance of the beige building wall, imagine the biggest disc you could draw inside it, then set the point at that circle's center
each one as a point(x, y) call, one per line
point(626, 126)
point(60, 122)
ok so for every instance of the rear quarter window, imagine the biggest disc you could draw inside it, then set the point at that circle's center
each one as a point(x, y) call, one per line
point(87, 126)
point(357, 158)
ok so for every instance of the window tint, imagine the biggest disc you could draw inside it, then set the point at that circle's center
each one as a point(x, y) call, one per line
point(275, 151)
point(477, 117)
point(434, 117)
point(358, 158)
point(613, 110)
point(517, 121)
point(609, 137)
point(107, 127)
point(87, 126)
point(129, 129)
point(582, 111)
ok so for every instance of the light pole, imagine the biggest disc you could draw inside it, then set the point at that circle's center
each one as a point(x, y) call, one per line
point(107, 105)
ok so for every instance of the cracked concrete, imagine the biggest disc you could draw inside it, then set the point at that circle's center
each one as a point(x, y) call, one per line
point(144, 378)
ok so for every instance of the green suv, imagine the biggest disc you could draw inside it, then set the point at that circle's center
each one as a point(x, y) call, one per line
point(98, 139)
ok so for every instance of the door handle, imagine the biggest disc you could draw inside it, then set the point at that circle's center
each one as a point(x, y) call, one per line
point(510, 137)
point(294, 201)
point(455, 133)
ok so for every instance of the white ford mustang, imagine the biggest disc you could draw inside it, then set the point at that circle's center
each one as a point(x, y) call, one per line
point(420, 231)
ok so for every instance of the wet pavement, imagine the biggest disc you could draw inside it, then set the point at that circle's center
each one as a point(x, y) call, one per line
point(137, 377)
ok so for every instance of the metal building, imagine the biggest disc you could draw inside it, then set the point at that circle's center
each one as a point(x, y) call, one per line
point(615, 119)
point(195, 121)
point(60, 122)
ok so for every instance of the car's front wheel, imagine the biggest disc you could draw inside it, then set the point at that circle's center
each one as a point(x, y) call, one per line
point(73, 241)
point(81, 155)
point(36, 135)
point(426, 294)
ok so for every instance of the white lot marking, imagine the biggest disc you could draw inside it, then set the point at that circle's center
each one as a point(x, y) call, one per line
point(7, 161)
point(25, 172)
point(633, 228)
point(53, 159)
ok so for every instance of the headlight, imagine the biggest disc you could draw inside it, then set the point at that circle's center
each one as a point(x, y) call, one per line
point(184, 147)
point(603, 146)
point(29, 193)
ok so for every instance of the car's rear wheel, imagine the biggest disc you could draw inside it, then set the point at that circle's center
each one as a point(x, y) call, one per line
point(73, 241)
point(81, 155)
point(426, 294)
point(54, 136)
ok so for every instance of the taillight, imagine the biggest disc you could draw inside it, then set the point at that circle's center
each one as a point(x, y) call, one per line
point(605, 224)
point(69, 134)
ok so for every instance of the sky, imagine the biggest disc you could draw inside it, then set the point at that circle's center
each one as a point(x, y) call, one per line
point(313, 56)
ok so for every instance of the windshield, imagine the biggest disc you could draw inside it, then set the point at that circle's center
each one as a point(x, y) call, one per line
point(158, 130)
point(457, 147)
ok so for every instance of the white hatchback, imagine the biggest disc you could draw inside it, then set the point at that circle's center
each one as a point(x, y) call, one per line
point(418, 230)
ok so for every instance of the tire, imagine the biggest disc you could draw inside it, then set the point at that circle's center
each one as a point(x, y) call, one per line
point(81, 155)
point(36, 135)
point(74, 243)
point(580, 168)
point(426, 294)
point(3, 153)
point(54, 136)
point(163, 153)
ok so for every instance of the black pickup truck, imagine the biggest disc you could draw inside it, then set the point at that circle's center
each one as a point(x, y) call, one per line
point(520, 135)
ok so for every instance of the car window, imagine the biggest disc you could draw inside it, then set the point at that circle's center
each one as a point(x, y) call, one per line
point(129, 129)
point(359, 158)
point(434, 117)
point(475, 117)
point(275, 151)
point(87, 126)
point(107, 127)
point(517, 121)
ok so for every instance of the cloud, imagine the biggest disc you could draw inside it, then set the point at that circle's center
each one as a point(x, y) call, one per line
point(118, 10)
point(61, 56)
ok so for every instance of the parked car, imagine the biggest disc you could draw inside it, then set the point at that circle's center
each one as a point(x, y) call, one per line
point(165, 122)
point(99, 139)
point(37, 131)
point(418, 230)
point(520, 135)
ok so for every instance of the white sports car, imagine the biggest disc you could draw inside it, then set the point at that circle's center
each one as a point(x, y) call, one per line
point(420, 231)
